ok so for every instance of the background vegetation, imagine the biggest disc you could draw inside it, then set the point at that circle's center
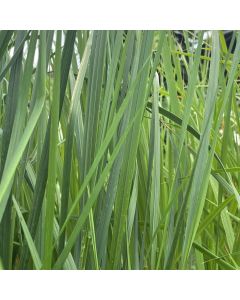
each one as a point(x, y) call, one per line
point(119, 150)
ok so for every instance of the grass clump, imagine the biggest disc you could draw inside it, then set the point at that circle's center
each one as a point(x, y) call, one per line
point(119, 150)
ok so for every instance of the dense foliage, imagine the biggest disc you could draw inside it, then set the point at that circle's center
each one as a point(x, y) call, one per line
point(119, 150)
